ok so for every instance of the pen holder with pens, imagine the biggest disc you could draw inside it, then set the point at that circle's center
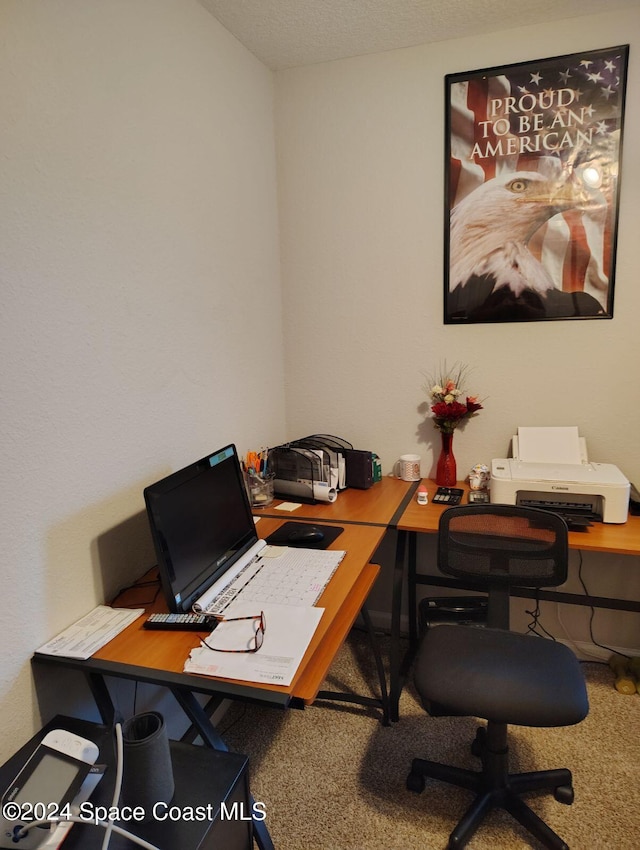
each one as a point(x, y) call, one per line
point(260, 488)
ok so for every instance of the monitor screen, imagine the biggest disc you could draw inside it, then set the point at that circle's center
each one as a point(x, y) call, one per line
point(201, 523)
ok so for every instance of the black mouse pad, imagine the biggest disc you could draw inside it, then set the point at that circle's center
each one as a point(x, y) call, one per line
point(281, 536)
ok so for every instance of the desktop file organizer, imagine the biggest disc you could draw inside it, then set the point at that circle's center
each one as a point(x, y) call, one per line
point(305, 467)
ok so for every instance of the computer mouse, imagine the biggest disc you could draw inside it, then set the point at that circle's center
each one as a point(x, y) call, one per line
point(305, 534)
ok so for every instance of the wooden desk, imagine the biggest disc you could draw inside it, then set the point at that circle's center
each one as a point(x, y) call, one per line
point(158, 657)
point(600, 537)
point(423, 519)
point(381, 505)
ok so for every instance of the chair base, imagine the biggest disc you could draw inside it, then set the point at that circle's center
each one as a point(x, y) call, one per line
point(496, 788)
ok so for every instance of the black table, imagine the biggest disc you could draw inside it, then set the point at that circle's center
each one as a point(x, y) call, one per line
point(203, 777)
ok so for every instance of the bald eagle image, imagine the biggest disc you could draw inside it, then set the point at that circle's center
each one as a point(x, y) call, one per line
point(493, 274)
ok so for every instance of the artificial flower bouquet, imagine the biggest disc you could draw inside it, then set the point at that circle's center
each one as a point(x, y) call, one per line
point(447, 405)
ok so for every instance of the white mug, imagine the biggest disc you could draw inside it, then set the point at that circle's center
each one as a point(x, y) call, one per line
point(407, 468)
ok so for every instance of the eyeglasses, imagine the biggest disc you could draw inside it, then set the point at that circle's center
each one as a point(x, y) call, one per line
point(260, 623)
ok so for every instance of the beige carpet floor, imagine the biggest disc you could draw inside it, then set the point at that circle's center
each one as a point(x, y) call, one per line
point(332, 777)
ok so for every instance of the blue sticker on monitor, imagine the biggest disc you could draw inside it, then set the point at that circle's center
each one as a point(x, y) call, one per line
point(225, 454)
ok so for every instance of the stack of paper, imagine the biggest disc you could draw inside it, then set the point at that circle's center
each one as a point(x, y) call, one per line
point(91, 633)
point(549, 445)
point(288, 632)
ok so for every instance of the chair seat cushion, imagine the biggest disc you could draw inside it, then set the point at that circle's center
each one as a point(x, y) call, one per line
point(501, 676)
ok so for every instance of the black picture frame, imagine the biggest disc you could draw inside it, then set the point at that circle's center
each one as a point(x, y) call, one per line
point(532, 183)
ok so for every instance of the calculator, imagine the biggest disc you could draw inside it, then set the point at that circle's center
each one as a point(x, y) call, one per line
point(448, 496)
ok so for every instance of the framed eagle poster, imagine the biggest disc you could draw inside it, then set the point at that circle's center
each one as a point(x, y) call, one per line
point(533, 156)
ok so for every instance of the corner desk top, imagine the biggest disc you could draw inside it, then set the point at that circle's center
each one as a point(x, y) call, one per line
point(364, 515)
point(381, 504)
point(159, 656)
point(623, 539)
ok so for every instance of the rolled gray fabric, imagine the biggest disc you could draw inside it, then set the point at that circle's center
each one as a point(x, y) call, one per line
point(148, 772)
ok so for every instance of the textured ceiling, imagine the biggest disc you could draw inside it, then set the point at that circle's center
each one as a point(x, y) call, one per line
point(286, 33)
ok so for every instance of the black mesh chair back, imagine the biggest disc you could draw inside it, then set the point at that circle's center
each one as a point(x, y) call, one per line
point(502, 546)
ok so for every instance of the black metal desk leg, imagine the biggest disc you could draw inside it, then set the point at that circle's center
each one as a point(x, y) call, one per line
point(384, 696)
point(395, 685)
point(211, 706)
point(412, 606)
point(200, 719)
point(102, 697)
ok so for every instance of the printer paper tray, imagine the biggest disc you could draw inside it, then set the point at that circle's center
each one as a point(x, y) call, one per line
point(577, 514)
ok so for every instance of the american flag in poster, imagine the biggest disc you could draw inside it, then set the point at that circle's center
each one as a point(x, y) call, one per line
point(533, 155)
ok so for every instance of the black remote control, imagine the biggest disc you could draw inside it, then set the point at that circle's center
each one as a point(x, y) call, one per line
point(180, 622)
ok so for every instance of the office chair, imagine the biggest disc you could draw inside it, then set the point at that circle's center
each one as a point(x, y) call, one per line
point(493, 673)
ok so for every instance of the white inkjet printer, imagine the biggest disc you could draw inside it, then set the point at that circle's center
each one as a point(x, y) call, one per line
point(549, 469)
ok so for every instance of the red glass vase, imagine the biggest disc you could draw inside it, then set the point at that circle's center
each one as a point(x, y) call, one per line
point(446, 473)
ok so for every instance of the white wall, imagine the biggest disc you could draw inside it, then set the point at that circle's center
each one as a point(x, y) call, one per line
point(141, 312)
point(361, 179)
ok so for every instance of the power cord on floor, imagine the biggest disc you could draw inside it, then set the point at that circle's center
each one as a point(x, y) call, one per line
point(593, 658)
point(101, 823)
point(535, 624)
point(593, 612)
point(118, 783)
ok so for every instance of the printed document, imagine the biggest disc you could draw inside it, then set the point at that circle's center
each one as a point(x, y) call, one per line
point(289, 629)
point(91, 633)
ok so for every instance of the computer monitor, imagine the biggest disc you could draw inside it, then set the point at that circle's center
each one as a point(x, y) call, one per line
point(201, 523)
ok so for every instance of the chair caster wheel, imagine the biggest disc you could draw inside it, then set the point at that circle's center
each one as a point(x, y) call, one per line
point(416, 783)
point(564, 794)
point(479, 742)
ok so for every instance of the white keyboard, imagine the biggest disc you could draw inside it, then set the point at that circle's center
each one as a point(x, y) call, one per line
point(295, 577)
